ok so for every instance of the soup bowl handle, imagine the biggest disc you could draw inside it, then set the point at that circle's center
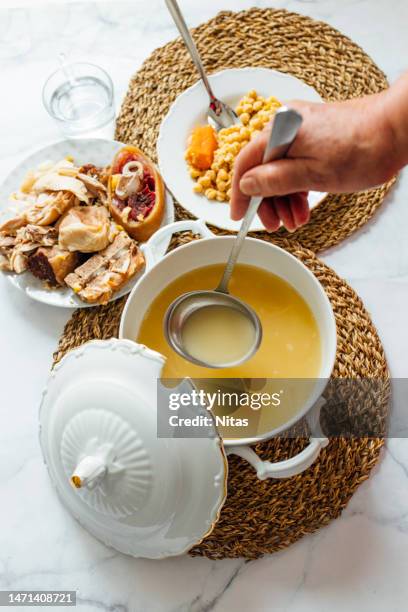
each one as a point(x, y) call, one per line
point(155, 248)
point(294, 465)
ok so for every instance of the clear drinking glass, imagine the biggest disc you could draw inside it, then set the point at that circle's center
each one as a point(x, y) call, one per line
point(79, 96)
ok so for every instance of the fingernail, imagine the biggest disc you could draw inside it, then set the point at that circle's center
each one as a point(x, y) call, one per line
point(249, 186)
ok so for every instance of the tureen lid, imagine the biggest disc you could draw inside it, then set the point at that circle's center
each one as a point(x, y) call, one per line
point(141, 494)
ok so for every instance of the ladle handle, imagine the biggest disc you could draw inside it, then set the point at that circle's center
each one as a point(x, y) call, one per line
point(285, 127)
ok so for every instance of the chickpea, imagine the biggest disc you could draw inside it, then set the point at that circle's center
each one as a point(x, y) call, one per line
point(245, 118)
point(222, 186)
point(231, 138)
point(256, 123)
point(222, 175)
point(211, 194)
point(247, 108)
point(198, 188)
point(194, 173)
point(204, 182)
point(245, 134)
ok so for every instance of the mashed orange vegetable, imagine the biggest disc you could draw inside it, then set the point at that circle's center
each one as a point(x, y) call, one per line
point(202, 146)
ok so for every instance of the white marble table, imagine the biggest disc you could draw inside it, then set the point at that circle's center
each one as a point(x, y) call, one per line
point(358, 562)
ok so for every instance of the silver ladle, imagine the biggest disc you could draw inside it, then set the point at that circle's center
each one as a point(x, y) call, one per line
point(285, 127)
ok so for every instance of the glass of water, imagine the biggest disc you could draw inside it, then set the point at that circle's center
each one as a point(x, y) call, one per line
point(79, 96)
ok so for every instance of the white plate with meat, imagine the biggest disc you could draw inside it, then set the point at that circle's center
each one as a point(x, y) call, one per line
point(74, 215)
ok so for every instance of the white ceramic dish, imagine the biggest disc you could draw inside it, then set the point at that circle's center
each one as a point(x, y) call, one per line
point(141, 494)
point(214, 250)
point(84, 150)
point(189, 110)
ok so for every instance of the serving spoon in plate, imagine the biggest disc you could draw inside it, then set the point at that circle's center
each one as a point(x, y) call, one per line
point(284, 130)
point(220, 115)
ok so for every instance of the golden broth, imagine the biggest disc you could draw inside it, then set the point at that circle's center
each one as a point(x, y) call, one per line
point(290, 347)
point(218, 335)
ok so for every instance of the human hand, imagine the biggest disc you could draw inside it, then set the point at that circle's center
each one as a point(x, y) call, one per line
point(340, 147)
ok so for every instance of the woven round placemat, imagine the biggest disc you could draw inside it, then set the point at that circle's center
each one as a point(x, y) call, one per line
point(310, 50)
point(263, 517)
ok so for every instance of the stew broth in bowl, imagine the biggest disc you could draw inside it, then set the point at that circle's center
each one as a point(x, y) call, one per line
point(290, 347)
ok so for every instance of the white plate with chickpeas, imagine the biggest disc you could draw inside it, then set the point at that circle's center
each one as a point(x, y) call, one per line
point(197, 163)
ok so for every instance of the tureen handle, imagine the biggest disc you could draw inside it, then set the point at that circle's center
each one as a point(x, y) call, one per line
point(294, 465)
point(154, 249)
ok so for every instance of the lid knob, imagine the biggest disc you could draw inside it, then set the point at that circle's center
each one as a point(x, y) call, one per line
point(91, 469)
point(89, 472)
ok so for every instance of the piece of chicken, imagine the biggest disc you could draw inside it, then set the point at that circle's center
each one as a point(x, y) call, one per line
point(96, 181)
point(49, 207)
point(7, 244)
point(105, 273)
point(37, 235)
point(14, 250)
point(85, 229)
point(63, 166)
point(10, 226)
point(15, 259)
point(46, 209)
point(61, 183)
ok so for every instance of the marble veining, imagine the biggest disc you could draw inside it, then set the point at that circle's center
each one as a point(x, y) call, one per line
point(356, 563)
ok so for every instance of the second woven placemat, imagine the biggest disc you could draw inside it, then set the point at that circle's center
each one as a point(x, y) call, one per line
point(310, 50)
point(263, 517)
